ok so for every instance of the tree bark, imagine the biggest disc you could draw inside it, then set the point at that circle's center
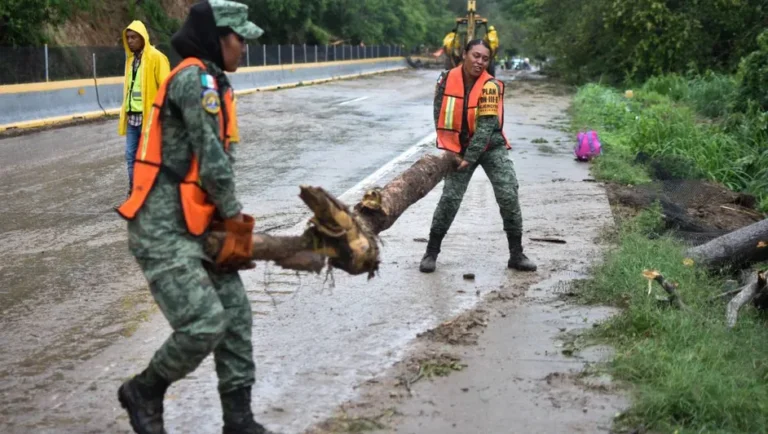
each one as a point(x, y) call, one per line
point(344, 238)
point(743, 246)
point(381, 207)
point(749, 291)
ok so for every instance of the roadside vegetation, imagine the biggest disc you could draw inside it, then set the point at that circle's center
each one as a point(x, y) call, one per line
point(686, 370)
point(711, 126)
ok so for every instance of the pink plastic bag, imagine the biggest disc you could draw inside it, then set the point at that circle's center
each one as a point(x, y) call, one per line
point(588, 146)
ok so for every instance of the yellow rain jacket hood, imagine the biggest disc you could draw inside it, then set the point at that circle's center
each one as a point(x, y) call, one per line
point(156, 68)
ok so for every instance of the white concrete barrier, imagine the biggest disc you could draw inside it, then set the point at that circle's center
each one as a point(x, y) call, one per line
point(40, 104)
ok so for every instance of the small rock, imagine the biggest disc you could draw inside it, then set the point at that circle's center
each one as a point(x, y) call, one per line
point(469, 276)
point(562, 329)
point(584, 409)
point(421, 240)
point(465, 389)
point(477, 293)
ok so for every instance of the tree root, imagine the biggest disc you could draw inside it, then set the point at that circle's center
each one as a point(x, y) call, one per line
point(749, 292)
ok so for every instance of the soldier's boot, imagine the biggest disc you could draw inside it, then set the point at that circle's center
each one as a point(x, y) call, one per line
point(142, 397)
point(429, 260)
point(517, 259)
point(238, 417)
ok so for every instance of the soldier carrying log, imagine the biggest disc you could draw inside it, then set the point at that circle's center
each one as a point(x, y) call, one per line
point(184, 187)
point(469, 117)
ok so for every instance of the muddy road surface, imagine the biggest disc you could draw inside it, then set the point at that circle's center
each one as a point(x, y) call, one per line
point(77, 318)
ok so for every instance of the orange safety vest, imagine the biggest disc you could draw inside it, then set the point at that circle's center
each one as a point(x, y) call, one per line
point(454, 108)
point(198, 210)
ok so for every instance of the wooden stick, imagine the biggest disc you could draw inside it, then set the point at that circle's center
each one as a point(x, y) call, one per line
point(748, 292)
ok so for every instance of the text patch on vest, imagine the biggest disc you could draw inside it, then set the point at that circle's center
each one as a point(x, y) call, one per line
point(489, 101)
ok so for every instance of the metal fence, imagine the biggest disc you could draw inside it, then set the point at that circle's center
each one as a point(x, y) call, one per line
point(39, 64)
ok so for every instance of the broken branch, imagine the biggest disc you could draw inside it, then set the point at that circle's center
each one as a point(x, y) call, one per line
point(755, 284)
point(669, 287)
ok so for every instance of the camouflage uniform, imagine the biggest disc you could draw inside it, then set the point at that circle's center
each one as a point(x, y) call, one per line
point(208, 309)
point(499, 168)
point(486, 148)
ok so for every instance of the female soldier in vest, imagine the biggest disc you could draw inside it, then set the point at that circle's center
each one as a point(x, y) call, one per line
point(469, 117)
point(184, 183)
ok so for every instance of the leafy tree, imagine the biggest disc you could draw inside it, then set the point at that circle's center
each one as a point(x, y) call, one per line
point(22, 21)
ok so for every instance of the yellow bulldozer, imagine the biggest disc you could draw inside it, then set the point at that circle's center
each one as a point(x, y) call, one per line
point(469, 27)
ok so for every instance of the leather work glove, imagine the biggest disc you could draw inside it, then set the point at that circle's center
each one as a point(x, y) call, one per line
point(237, 249)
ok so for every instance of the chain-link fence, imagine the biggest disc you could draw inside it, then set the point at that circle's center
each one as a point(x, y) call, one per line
point(38, 64)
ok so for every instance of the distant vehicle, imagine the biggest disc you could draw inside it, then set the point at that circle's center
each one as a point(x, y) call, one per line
point(469, 27)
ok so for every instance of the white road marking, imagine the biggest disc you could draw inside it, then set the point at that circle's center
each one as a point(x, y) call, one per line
point(352, 195)
point(353, 100)
point(373, 178)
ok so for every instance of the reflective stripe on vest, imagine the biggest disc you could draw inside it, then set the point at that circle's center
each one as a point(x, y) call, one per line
point(135, 104)
point(452, 109)
point(198, 210)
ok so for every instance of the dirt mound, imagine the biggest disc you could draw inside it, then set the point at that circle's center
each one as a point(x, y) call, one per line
point(696, 210)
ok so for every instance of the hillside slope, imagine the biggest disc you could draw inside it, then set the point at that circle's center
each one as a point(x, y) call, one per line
point(103, 24)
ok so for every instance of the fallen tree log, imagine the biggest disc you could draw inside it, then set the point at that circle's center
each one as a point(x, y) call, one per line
point(740, 247)
point(347, 238)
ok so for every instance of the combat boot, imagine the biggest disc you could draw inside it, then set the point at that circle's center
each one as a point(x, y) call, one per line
point(142, 397)
point(238, 417)
point(517, 259)
point(429, 260)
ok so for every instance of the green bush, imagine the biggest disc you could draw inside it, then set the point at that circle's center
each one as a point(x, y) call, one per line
point(620, 41)
point(712, 94)
point(671, 85)
point(733, 153)
point(753, 78)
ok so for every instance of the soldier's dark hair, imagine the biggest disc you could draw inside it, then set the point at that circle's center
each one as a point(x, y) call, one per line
point(476, 42)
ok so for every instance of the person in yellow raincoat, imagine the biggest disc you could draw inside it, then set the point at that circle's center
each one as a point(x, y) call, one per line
point(145, 69)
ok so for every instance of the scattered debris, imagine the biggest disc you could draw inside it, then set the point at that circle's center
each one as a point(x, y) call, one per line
point(432, 365)
point(670, 287)
point(349, 424)
point(549, 240)
point(459, 331)
point(421, 240)
point(469, 276)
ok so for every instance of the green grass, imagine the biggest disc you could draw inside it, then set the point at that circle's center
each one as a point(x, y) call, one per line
point(686, 371)
point(670, 117)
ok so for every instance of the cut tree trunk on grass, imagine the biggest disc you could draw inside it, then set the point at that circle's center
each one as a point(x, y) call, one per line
point(740, 247)
point(754, 288)
point(347, 238)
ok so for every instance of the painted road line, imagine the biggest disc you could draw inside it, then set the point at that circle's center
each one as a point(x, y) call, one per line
point(362, 98)
point(354, 193)
point(385, 169)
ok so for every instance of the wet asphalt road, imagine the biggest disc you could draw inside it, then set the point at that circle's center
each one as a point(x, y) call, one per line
point(77, 318)
point(69, 288)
